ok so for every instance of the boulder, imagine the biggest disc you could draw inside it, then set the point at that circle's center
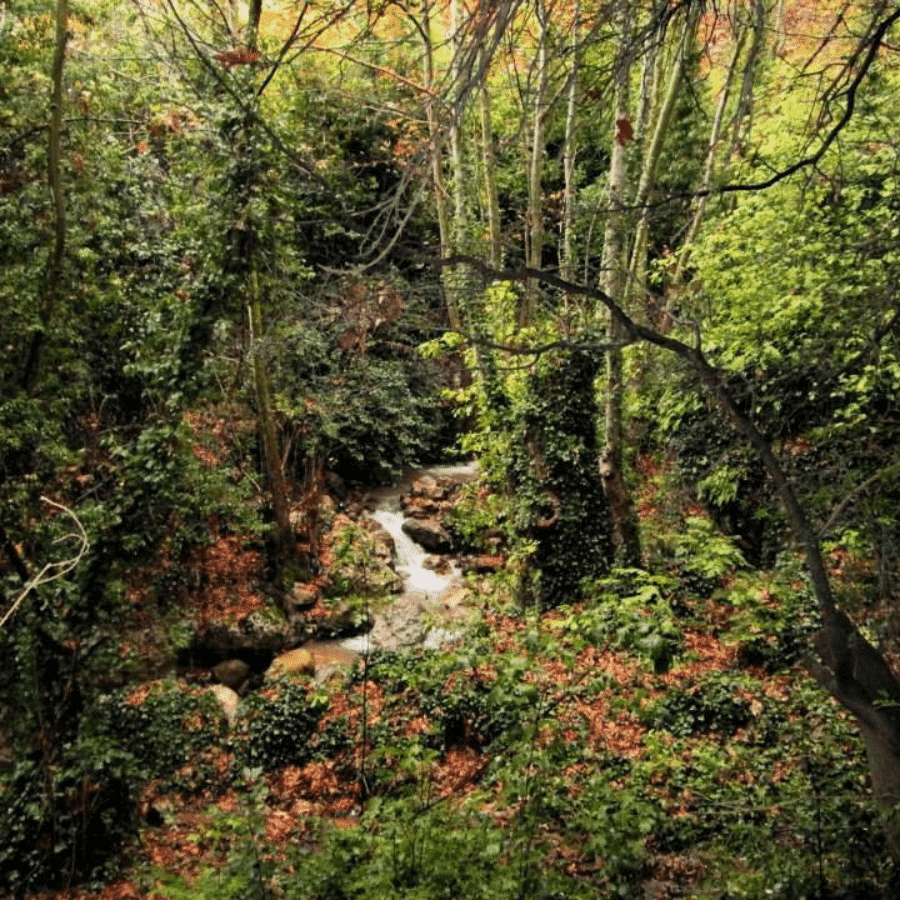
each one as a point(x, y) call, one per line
point(294, 662)
point(228, 700)
point(256, 640)
point(302, 597)
point(428, 533)
point(232, 673)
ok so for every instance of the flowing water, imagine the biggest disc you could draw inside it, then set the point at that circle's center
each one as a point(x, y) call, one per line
point(430, 611)
point(426, 612)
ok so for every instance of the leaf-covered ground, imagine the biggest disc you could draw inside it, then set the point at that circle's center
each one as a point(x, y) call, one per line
point(652, 741)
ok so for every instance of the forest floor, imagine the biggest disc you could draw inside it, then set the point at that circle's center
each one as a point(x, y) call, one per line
point(672, 708)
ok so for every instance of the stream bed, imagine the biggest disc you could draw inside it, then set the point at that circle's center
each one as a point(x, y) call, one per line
point(431, 610)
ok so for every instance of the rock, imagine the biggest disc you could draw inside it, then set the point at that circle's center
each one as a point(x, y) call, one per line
point(424, 486)
point(294, 662)
point(428, 533)
point(228, 700)
point(385, 548)
point(439, 564)
point(256, 640)
point(343, 620)
point(482, 563)
point(302, 597)
point(232, 673)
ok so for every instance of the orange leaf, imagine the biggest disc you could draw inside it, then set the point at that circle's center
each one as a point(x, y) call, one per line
point(624, 132)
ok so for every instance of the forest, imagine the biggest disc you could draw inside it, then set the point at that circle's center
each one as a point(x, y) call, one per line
point(601, 294)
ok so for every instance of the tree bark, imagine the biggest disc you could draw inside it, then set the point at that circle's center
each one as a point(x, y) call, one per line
point(52, 284)
point(625, 536)
point(653, 151)
point(436, 150)
point(489, 166)
point(567, 261)
point(534, 218)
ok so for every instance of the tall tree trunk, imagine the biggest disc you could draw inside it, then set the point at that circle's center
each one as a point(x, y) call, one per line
point(283, 543)
point(567, 262)
point(534, 218)
point(436, 139)
point(283, 535)
point(709, 163)
point(625, 536)
point(743, 117)
point(52, 283)
point(489, 168)
point(653, 152)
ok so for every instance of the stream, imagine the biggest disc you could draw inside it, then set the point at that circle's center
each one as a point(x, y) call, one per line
point(430, 611)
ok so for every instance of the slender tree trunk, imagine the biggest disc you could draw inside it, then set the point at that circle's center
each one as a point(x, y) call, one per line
point(625, 536)
point(52, 284)
point(489, 167)
point(653, 152)
point(271, 455)
point(567, 263)
point(534, 219)
point(457, 156)
point(436, 140)
point(743, 117)
point(283, 542)
point(709, 164)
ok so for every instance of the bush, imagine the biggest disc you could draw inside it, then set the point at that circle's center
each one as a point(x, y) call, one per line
point(65, 822)
point(712, 705)
point(279, 729)
point(163, 728)
point(629, 610)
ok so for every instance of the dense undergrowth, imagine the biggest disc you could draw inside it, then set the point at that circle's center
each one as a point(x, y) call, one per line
point(657, 739)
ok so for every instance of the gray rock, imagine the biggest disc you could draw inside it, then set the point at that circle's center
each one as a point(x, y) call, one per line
point(428, 533)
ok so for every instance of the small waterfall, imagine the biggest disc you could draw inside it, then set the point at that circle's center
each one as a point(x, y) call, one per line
point(405, 621)
point(410, 557)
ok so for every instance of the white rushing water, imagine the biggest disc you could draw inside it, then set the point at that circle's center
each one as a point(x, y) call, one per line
point(410, 557)
point(422, 587)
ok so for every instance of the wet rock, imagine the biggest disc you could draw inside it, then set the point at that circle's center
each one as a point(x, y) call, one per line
point(482, 563)
point(404, 623)
point(439, 564)
point(232, 673)
point(294, 662)
point(428, 533)
point(385, 549)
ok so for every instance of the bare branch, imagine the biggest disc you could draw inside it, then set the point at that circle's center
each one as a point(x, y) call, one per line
point(55, 570)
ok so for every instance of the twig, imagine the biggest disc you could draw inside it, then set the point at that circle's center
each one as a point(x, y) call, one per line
point(53, 571)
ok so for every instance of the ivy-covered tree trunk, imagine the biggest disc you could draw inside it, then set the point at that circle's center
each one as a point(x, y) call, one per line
point(53, 272)
point(562, 506)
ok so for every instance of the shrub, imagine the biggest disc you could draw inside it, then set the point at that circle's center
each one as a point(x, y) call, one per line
point(162, 728)
point(629, 610)
point(712, 705)
point(279, 729)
